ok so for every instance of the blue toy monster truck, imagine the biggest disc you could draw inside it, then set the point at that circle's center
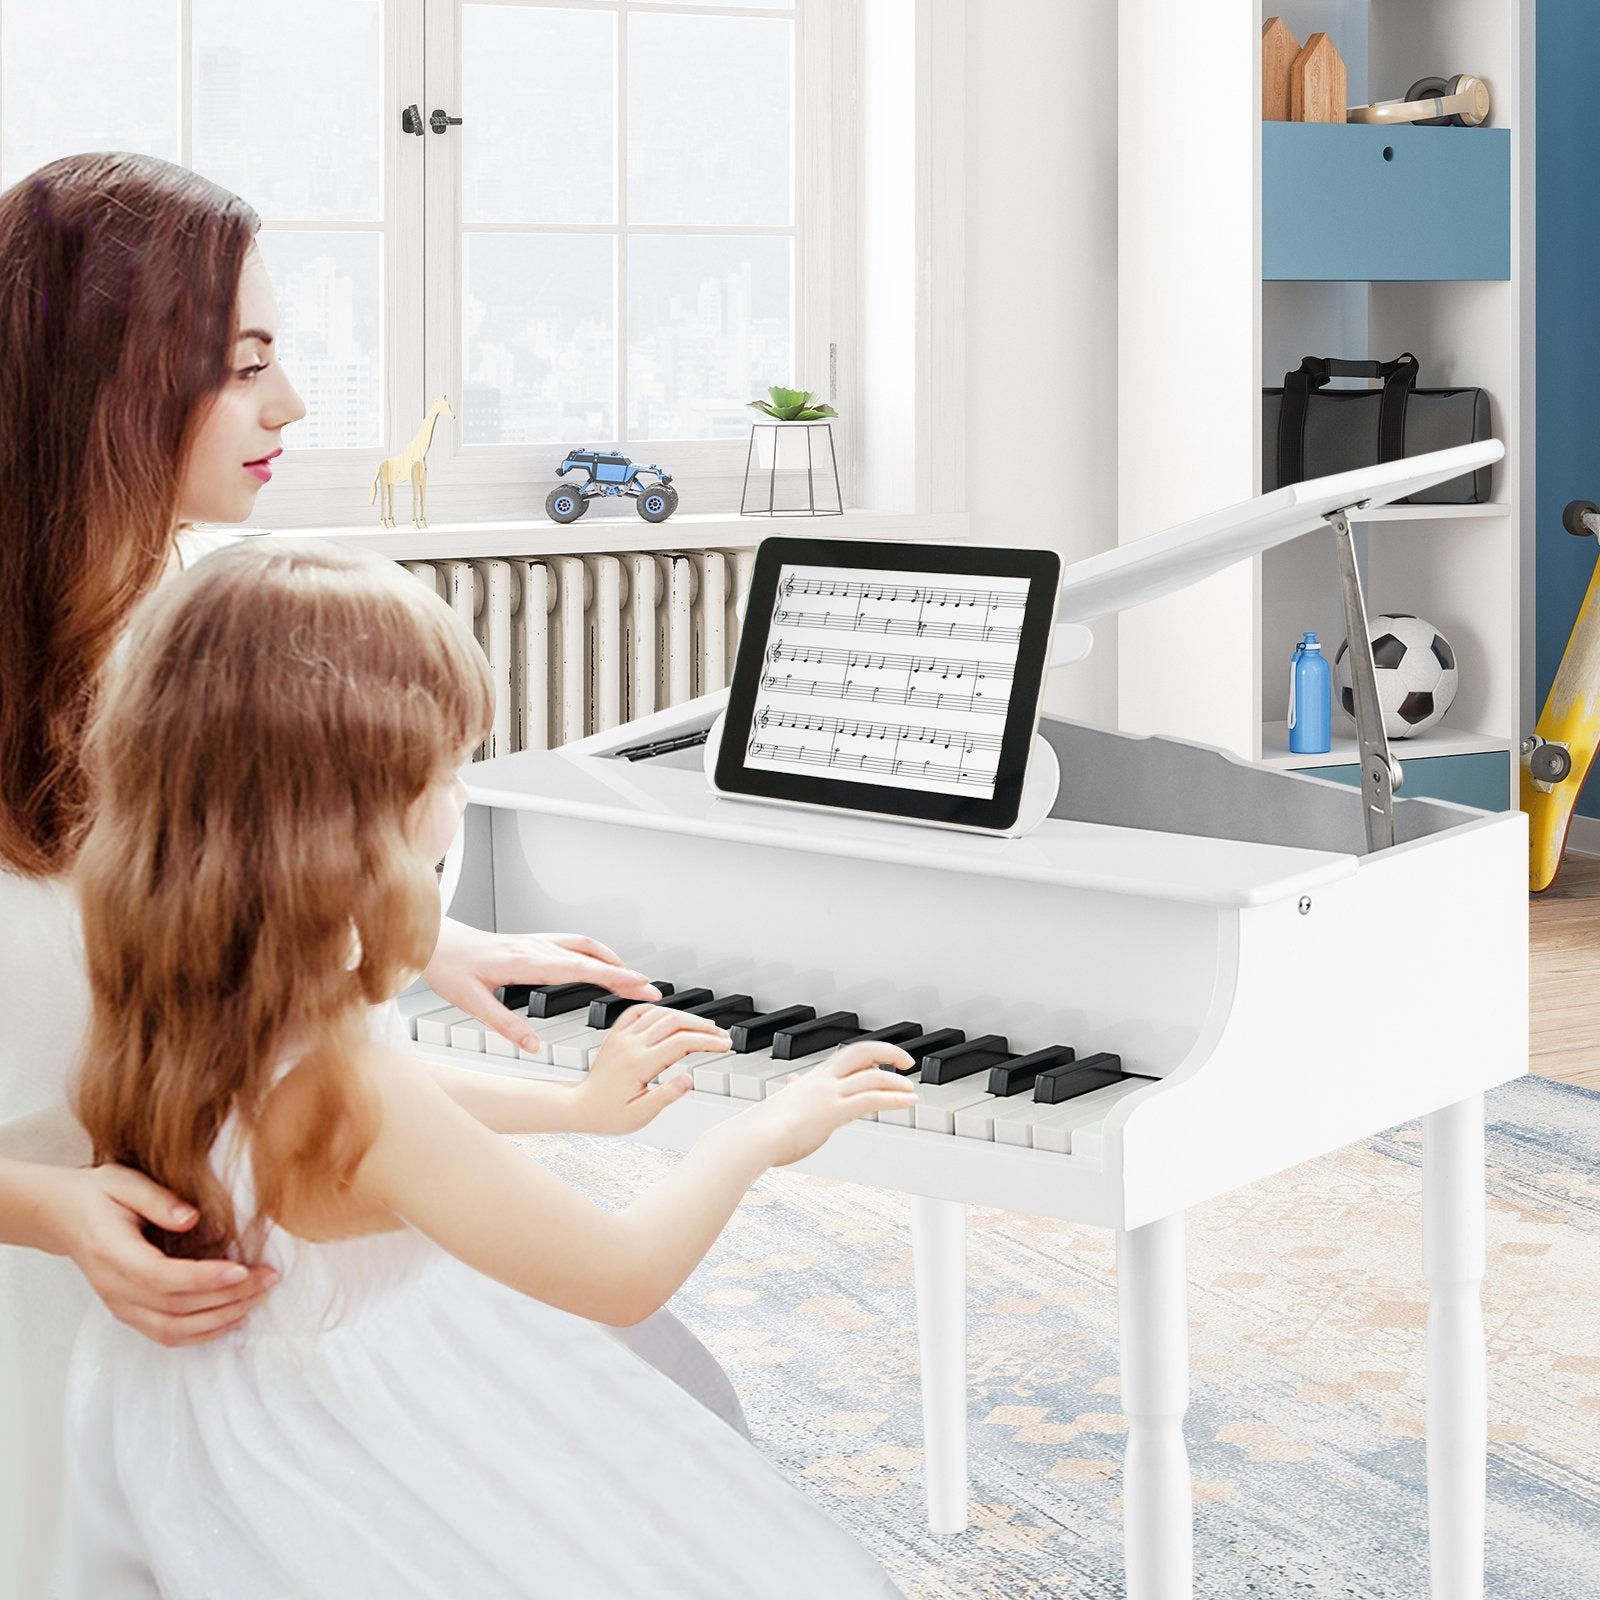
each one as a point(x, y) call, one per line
point(610, 474)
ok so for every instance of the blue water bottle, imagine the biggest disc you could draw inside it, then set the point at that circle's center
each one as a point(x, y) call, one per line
point(1310, 700)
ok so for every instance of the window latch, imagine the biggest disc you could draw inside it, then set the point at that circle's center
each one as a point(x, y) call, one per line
point(440, 120)
point(411, 121)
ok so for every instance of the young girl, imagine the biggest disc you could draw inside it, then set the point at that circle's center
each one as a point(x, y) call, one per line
point(424, 1407)
point(140, 393)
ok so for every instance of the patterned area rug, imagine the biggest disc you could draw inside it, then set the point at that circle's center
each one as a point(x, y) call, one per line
point(1305, 1427)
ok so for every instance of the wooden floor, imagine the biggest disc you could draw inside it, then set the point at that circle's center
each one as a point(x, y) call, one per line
point(1564, 975)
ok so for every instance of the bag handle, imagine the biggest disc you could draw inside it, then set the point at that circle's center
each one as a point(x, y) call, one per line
point(1399, 378)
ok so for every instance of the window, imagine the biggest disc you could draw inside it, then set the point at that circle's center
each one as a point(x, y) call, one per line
point(610, 248)
point(297, 132)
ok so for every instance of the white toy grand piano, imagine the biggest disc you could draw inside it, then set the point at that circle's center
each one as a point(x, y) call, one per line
point(1160, 914)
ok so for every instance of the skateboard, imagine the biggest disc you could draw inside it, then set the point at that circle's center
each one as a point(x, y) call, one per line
point(1556, 760)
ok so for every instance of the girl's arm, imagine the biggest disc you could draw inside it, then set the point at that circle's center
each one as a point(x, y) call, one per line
point(495, 1209)
point(614, 1096)
point(93, 1215)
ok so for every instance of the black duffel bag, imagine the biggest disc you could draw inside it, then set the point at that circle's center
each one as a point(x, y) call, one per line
point(1309, 431)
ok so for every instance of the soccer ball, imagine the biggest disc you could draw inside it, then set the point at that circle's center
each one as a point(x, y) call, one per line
point(1416, 671)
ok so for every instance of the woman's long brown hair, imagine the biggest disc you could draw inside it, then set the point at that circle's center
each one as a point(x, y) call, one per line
point(119, 279)
point(255, 759)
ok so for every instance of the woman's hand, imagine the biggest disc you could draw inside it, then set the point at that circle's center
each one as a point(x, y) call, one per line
point(95, 1215)
point(617, 1095)
point(797, 1120)
point(468, 965)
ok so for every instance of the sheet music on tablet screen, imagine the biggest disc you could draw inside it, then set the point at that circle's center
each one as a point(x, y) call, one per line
point(894, 678)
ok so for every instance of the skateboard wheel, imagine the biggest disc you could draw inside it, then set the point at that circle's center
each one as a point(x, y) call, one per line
point(1550, 763)
point(1572, 517)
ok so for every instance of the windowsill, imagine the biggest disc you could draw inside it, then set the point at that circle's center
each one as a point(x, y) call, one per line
point(599, 532)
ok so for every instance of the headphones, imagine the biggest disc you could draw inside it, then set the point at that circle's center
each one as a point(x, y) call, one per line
point(1459, 102)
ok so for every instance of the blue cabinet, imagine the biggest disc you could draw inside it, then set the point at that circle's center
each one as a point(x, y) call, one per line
point(1346, 201)
point(1482, 780)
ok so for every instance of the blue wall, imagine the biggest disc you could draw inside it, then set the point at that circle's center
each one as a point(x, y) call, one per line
point(1567, 311)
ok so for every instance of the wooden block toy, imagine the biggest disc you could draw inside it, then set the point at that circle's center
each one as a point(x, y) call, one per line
point(1317, 83)
point(1279, 47)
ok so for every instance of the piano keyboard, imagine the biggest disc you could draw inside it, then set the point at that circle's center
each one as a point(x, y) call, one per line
point(1043, 1098)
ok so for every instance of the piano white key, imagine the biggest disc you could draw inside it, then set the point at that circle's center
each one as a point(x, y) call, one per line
point(469, 1035)
point(554, 1032)
point(978, 1121)
point(577, 1049)
point(711, 1068)
point(496, 1044)
point(412, 1006)
point(433, 1027)
point(748, 1074)
point(1061, 1134)
point(937, 1104)
point(779, 1080)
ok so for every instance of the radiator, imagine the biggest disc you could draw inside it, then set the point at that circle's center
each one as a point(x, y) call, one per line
point(579, 644)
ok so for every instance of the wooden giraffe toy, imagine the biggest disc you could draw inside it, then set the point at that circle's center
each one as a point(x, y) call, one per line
point(410, 462)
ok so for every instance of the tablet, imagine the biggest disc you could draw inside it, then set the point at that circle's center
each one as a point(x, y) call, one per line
point(901, 679)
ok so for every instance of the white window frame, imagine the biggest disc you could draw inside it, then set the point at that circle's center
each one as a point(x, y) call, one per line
point(510, 481)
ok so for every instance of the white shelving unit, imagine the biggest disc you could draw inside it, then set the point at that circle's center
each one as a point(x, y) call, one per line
point(1201, 333)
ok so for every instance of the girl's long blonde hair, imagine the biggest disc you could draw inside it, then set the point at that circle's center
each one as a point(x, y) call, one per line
point(282, 709)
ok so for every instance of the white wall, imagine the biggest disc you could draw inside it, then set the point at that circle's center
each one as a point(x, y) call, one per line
point(1041, 294)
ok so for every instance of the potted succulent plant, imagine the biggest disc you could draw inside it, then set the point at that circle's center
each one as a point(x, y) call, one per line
point(791, 413)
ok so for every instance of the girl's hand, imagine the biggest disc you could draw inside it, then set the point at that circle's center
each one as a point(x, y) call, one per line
point(96, 1215)
point(617, 1096)
point(468, 965)
point(799, 1117)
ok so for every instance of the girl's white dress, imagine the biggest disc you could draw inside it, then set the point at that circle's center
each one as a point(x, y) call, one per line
point(394, 1425)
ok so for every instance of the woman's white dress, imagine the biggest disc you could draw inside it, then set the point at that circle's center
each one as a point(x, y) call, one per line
point(394, 1425)
point(44, 1013)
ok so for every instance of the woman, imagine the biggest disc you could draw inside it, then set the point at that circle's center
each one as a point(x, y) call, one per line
point(138, 395)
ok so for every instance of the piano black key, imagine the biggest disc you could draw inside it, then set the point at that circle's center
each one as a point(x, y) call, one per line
point(728, 1009)
point(514, 996)
point(1078, 1077)
point(820, 1033)
point(924, 1044)
point(557, 999)
point(758, 1032)
point(1019, 1074)
point(604, 1012)
point(900, 1033)
point(963, 1060)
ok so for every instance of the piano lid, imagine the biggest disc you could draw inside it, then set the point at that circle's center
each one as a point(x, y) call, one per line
point(1176, 557)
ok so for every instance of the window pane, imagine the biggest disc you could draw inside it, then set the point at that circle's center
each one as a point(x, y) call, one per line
point(710, 121)
point(286, 115)
point(539, 359)
point(538, 96)
point(87, 75)
point(330, 307)
point(710, 326)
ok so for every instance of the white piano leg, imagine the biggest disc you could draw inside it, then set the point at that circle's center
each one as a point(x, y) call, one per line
point(1452, 1263)
point(1157, 1491)
point(939, 1257)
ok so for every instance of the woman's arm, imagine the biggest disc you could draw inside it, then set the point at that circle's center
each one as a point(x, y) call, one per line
point(614, 1096)
point(93, 1215)
point(495, 1209)
point(468, 965)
